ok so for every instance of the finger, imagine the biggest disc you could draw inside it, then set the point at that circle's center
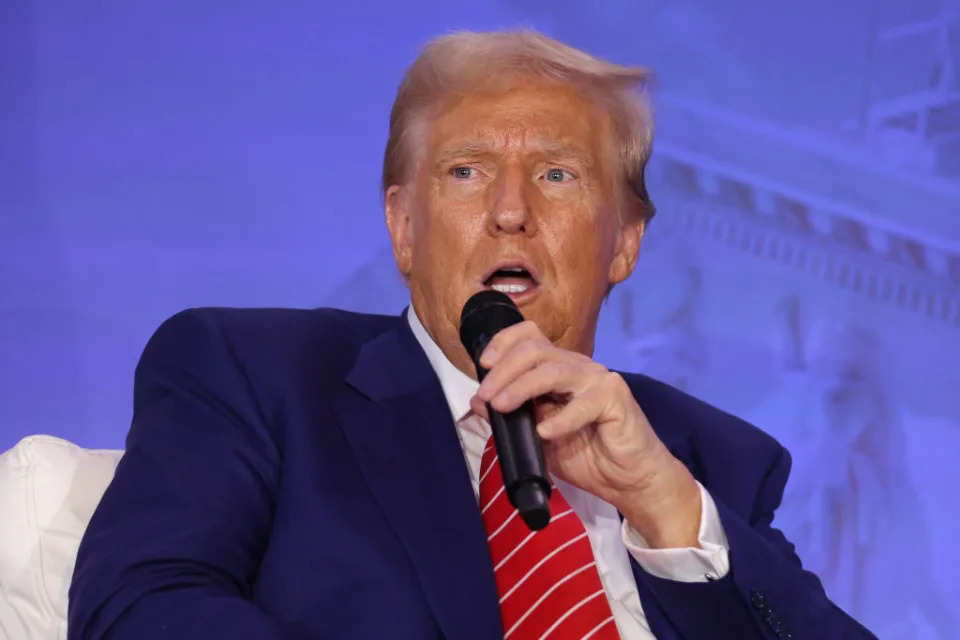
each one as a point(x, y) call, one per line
point(557, 451)
point(547, 378)
point(479, 407)
point(545, 406)
point(606, 403)
point(579, 412)
point(504, 340)
point(522, 357)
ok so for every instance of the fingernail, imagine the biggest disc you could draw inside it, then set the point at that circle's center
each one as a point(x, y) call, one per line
point(544, 429)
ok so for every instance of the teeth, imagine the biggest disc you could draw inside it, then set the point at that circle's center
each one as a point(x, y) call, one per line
point(515, 269)
point(509, 288)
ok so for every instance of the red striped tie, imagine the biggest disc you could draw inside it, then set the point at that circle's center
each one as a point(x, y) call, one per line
point(548, 581)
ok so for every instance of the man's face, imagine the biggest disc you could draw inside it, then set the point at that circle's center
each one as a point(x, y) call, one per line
point(513, 191)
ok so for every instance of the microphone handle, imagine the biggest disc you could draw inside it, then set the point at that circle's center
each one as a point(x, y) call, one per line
point(520, 452)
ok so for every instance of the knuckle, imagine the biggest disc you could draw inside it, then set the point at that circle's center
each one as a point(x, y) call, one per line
point(529, 327)
point(615, 381)
point(530, 345)
point(524, 352)
point(555, 369)
point(533, 330)
point(597, 369)
point(541, 352)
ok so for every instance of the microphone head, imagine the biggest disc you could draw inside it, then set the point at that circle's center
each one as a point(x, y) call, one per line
point(485, 314)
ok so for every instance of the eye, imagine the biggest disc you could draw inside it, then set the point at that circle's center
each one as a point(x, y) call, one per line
point(462, 173)
point(558, 175)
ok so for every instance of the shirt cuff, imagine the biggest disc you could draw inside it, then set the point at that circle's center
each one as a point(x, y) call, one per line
point(710, 562)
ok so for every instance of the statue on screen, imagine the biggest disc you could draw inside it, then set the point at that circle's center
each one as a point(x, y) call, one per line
point(673, 350)
point(851, 505)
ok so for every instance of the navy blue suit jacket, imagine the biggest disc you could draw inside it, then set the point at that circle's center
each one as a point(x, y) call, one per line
point(296, 474)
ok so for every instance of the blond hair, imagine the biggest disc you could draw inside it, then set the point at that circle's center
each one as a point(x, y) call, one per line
point(462, 62)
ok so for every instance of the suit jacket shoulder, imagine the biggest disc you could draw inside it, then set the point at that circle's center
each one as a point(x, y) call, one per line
point(270, 356)
point(263, 339)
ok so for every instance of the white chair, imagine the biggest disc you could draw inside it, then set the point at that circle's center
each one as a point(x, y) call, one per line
point(49, 489)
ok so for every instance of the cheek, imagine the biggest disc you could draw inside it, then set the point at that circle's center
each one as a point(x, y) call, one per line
point(446, 237)
point(583, 270)
point(585, 246)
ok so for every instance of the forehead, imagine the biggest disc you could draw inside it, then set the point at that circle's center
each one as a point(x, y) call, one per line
point(522, 118)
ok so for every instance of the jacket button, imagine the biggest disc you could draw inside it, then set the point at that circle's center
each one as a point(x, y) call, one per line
point(771, 619)
point(758, 600)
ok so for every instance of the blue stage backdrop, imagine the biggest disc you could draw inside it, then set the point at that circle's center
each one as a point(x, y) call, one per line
point(803, 271)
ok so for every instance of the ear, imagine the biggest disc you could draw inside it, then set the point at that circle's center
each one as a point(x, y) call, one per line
point(397, 212)
point(626, 253)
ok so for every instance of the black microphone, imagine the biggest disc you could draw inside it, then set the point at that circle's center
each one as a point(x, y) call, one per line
point(515, 433)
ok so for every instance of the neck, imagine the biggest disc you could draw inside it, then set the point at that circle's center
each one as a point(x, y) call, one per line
point(447, 340)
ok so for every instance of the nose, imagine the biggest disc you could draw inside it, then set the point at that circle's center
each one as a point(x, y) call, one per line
point(510, 203)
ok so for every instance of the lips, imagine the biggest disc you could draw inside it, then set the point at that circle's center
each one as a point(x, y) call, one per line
point(514, 278)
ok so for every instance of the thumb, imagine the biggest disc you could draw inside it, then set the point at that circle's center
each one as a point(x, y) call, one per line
point(479, 407)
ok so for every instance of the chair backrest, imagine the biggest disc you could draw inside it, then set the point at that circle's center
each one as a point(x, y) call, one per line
point(49, 489)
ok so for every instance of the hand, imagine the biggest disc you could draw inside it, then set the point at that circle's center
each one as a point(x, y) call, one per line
point(595, 435)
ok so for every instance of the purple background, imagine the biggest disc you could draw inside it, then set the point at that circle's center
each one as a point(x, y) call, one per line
point(807, 172)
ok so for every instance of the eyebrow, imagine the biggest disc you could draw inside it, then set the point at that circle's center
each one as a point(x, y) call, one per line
point(463, 150)
point(568, 152)
point(553, 151)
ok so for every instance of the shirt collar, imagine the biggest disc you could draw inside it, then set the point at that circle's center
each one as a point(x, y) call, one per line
point(457, 386)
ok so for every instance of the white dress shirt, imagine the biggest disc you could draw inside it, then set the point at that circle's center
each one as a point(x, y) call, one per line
point(610, 539)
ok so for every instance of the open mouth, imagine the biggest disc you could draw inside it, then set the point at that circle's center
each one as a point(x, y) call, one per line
point(513, 280)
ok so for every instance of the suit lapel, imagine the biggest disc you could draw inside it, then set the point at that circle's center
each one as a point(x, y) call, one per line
point(399, 426)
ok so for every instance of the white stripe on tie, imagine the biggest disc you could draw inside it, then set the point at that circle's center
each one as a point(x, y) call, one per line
point(492, 500)
point(489, 469)
point(505, 523)
point(544, 597)
point(541, 563)
point(598, 627)
point(570, 611)
point(527, 539)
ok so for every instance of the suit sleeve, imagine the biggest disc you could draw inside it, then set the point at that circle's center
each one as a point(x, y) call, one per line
point(174, 547)
point(766, 594)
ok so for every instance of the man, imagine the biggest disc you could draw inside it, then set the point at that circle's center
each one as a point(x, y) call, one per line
point(322, 474)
